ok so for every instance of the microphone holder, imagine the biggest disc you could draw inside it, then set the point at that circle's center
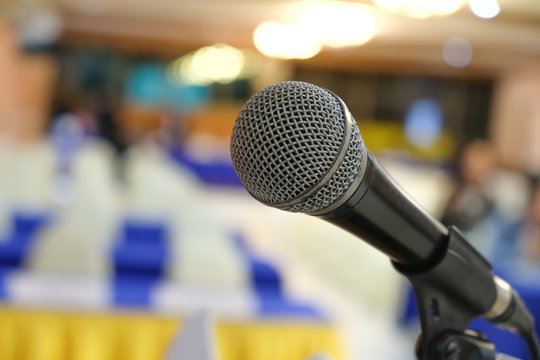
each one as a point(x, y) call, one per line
point(469, 345)
point(445, 310)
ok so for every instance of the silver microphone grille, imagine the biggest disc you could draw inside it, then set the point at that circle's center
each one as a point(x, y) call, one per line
point(295, 147)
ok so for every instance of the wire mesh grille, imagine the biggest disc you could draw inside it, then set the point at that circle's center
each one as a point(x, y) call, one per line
point(286, 139)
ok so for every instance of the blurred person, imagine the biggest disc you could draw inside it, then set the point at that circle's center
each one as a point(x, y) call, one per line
point(86, 117)
point(106, 122)
point(520, 241)
point(471, 200)
point(67, 134)
point(94, 113)
point(172, 132)
point(472, 207)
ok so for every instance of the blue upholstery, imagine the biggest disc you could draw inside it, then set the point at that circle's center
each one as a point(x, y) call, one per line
point(24, 227)
point(4, 273)
point(214, 172)
point(140, 257)
point(147, 232)
point(132, 291)
point(267, 284)
point(282, 307)
point(144, 259)
point(27, 223)
point(14, 249)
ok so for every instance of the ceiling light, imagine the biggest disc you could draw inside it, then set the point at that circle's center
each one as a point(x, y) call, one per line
point(445, 7)
point(421, 8)
point(345, 24)
point(390, 4)
point(218, 63)
point(287, 41)
point(485, 9)
point(457, 52)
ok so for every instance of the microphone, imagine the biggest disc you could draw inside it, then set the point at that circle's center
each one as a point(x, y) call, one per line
point(296, 147)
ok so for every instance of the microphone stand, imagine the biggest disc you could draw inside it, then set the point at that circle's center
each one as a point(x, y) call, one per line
point(445, 311)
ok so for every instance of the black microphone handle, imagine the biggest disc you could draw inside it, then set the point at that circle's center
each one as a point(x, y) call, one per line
point(381, 213)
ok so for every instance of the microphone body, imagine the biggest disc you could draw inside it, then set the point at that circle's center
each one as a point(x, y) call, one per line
point(296, 147)
point(382, 214)
point(432, 256)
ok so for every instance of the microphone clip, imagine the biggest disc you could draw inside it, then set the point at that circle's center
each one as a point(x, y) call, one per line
point(456, 288)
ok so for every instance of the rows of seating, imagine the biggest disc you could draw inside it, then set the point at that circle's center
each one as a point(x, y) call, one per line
point(139, 259)
point(78, 215)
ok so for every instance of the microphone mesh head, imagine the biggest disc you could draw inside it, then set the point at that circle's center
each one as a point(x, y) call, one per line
point(286, 139)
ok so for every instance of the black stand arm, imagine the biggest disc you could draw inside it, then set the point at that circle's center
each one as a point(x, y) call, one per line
point(458, 287)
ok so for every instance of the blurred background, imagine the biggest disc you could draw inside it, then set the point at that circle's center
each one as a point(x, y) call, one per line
point(121, 217)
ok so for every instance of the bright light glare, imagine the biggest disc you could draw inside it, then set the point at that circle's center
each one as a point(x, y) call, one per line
point(287, 41)
point(485, 9)
point(345, 24)
point(421, 8)
point(390, 4)
point(219, 63)
point(457, 52)
point(445, 7)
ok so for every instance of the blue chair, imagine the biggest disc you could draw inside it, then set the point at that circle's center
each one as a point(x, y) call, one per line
point(24, 228)
point(216, 172)
point(283, 307)
point(14, 250)
point(132, 291)
point(4, 273)
point(147, 232)
point(264, 277)
point(28, 223)
point(140, 257)
point(267, 284)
